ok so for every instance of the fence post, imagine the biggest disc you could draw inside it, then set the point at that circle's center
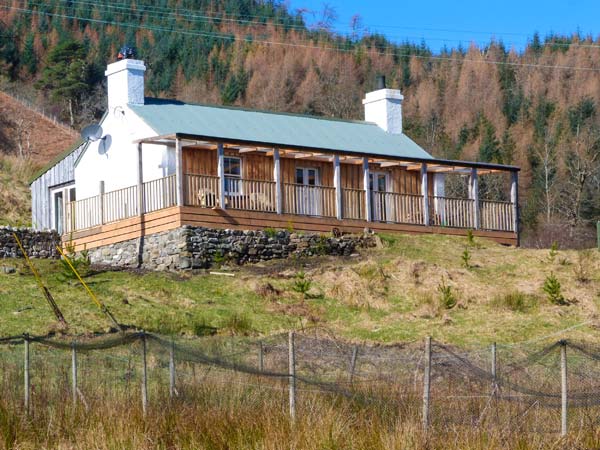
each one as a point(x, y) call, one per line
point(426, 383)
point(261, 361)
point(563, 386)
point(26, 382)
point(353, 362)
point(172, 370)
point(144, 376)
point(494, 365)
point(292, 373)
point(74, 373)
point(101, 199)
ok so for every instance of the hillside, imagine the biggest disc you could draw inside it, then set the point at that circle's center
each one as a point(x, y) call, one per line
point(389, 294)
point(28, 140)
point(537, 108)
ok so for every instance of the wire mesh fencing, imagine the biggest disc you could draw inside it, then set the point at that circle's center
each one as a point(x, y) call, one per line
point(540, 388)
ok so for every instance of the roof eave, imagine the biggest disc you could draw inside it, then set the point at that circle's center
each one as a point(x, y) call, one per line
point(432, 160)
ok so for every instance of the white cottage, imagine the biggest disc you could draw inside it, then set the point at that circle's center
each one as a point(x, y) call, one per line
point(160, 164)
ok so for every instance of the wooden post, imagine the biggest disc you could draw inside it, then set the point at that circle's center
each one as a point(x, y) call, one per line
point(474, 189)
point(140, 181)
point(178, 172)
point(367, 189)
point(26, 382)
point(353, 362)
point(261, 361)
point(144, 377)
point(563, 386)
point(277, 178)
point(494, 366)
point(514, 199)
point(425, 194)
point(337, 183)
point(292, 373)
point(172, 370)
point(426, 383)
point(74, 373)
point(101, 189)
point(221, 174)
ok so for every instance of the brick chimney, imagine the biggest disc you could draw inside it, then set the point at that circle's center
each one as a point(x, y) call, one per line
point(384, 107)
point(125, 82)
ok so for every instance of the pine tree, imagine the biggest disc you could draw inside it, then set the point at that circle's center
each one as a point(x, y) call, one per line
point(28, 57)
point(66, 76)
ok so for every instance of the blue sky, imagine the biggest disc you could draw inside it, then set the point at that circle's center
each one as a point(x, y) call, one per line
point(445, 22)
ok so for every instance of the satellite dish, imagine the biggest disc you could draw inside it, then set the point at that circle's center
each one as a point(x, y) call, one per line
point(91, 133)
point(104, 144)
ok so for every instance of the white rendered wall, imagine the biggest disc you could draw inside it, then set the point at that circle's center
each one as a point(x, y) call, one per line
point(118, 167)
point(384, 107)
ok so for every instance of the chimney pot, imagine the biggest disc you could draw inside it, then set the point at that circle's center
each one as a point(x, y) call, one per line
point(380, 81)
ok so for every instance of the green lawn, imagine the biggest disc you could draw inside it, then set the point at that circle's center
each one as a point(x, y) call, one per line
point(388, 294)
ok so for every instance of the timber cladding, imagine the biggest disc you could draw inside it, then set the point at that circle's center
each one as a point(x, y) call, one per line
point(175, 217)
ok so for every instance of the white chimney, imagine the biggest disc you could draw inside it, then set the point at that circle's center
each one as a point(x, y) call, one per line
point(125, 83)
point(384, 107)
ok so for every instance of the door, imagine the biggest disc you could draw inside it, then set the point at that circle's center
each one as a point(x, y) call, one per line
point(59, 211)
point(308, 201)
point(378, 184)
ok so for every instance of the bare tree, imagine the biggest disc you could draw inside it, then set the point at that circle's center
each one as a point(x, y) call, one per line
point(582, 169)
point(548, 157)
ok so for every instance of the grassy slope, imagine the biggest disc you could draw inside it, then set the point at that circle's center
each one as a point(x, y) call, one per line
point(388, 294)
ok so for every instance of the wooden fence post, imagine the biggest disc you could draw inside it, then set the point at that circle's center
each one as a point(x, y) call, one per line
point(101, 199)
point(172, 370)
point(353, 362)
point(74, 373)
point(563, 386)
point(494, 366)
point(26, 381)
point(292, 375)
point(144, 376)
point(426, 383)
point(261, 362)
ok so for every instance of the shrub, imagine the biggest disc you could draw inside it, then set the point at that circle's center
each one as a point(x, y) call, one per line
point(581, 270)
point(447, 297)
point(238, 324)
point(470, 238)
point(270, 232)
point(301, 283)
point(553, 290)
point(80, 262)
point(516, 301)
point(218, 259)
point(466, 258)
point(553, 251)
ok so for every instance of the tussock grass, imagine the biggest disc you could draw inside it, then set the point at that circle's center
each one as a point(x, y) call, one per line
point(15, 199)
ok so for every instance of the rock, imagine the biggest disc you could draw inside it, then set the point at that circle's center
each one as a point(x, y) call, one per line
point(8, 270)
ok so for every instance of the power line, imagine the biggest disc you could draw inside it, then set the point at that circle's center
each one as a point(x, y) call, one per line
point(158, 12)
point(232, 38)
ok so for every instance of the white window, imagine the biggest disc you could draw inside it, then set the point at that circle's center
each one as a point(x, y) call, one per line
point(233, 174)
point(60, 197)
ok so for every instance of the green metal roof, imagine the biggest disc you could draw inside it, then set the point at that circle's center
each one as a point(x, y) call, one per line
point(279, 129)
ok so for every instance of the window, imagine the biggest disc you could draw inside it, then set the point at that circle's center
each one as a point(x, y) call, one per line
point(233, 173)
point(60, 198)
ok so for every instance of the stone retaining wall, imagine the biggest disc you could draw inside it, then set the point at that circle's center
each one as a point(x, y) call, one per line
point(199, 248)
point(37, 244)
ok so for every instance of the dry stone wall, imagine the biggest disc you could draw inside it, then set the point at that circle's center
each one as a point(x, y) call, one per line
point(37, 244)
point(190, 247)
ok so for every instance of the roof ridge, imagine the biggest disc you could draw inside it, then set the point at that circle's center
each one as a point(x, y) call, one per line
point(262, 111)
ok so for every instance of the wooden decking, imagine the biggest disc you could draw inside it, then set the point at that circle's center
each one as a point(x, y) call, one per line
point(175, 217)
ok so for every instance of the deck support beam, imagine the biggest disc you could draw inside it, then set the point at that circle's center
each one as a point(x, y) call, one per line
point(178, 172)
point(140, 181)
point(221, 173)
point(277, 178)
point(425, 194)
point(337, 183)
point(514, 199)
point(367, 188)
point(474, 195)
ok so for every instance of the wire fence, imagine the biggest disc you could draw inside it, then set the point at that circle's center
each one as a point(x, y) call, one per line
point(536, 387)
